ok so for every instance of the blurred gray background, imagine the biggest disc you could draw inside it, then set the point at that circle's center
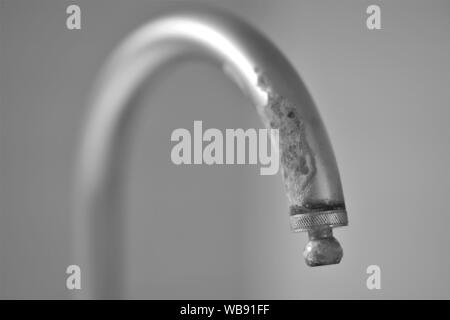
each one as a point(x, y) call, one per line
point(223, 231)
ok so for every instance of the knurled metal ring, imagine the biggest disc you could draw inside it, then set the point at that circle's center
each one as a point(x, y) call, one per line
point(311, 220)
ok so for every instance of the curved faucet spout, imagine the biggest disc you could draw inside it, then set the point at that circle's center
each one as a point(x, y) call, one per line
point(307, 162)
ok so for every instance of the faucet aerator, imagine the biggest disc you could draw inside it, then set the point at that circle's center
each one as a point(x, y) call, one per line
point(322, 249)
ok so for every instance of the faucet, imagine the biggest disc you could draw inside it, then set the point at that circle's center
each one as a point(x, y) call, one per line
point(307, 162)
